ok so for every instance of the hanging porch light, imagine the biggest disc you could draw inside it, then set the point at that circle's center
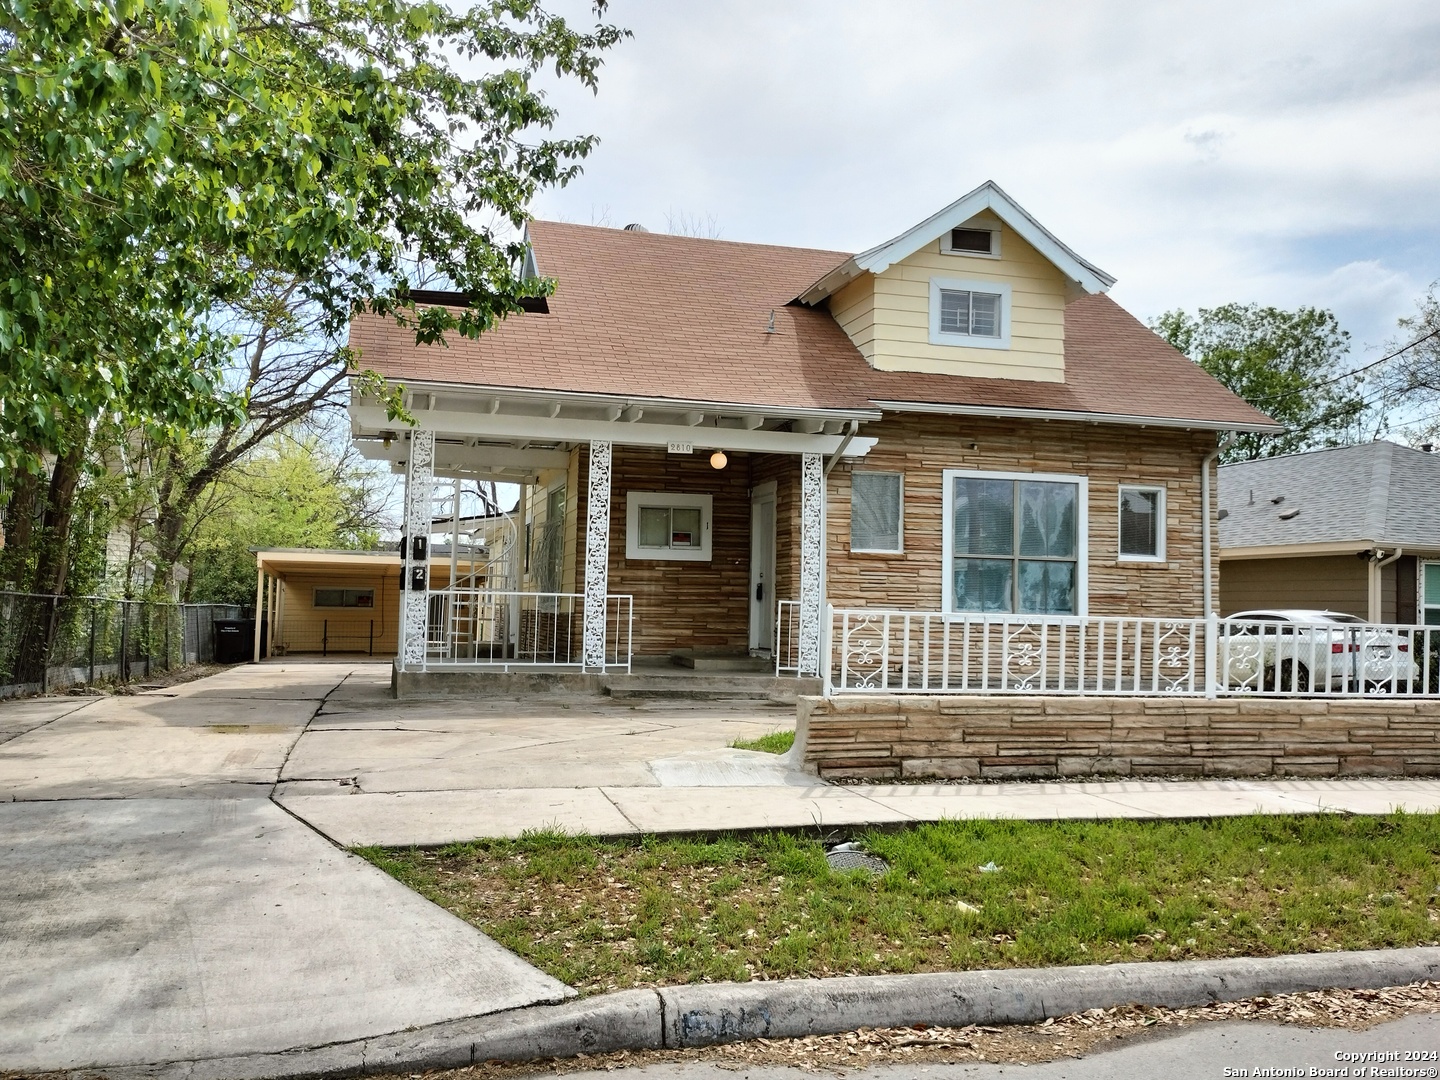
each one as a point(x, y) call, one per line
point(718, 460)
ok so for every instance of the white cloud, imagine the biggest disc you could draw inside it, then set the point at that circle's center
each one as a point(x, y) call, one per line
point(1206, 151)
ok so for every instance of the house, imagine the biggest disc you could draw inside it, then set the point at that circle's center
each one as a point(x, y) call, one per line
point(1353, 529)
point(715, 440)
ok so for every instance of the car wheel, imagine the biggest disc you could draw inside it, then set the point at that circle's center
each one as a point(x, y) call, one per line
point(1294, 677)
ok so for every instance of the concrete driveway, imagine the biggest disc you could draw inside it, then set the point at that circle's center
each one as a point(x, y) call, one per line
point(157, 905)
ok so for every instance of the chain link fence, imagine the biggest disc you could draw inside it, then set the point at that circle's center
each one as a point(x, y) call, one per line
point(52, 642)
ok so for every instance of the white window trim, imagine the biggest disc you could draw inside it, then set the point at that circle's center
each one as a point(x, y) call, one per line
point(900, 550)
point(1161, 508)
point(1082, 538)
point(993, 230)
point(634, 500)
point(1420, 605)
point(965, 341)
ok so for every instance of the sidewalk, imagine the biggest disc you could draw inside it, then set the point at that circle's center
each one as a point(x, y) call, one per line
point(441, 817)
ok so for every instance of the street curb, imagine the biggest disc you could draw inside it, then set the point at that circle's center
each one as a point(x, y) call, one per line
point(702, 1015)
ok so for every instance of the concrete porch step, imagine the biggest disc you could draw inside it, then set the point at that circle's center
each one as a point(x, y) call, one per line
point(703, 687)
point(703, 661)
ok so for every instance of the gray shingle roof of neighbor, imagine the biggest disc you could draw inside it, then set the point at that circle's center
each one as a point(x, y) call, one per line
point(1372, 493)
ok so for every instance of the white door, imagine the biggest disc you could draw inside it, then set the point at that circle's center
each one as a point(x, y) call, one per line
point(762, 569)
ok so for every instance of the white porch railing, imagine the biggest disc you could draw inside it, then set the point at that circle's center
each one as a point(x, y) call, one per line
point(787, 638)
point(920, 652)
point(483, 629)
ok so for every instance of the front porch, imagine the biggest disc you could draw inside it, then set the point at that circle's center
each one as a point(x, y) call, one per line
point(681, 535)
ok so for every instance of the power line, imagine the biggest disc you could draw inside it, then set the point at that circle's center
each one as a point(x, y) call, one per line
point(1320, 385)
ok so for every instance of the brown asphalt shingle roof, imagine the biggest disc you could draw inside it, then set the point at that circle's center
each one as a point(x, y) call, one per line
point(647, 315)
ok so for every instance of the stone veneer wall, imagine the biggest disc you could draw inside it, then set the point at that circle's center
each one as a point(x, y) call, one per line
point(862, 736)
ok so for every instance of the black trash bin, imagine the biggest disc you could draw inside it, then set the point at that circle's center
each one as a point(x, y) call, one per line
point(234, 641)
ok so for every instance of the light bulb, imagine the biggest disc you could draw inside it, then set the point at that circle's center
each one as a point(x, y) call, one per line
point(718, 459)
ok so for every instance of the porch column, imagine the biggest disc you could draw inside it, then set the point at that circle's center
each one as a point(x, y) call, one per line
point(597, 554)
point(812, 546)
point(415, 572)
point(259, 600)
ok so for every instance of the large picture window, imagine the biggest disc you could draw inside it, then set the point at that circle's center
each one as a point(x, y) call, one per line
point(1015, 542)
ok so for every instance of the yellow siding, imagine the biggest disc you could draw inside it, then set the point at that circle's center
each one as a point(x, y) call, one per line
point(303, 626)
point(887, 315)
point(854, 309)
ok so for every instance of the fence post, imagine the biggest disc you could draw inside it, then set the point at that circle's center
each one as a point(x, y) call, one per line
point(90, 681)
point(324, 636)
point(124, 641)
point(372, 637)
point(1212, 633)
point(167, 639)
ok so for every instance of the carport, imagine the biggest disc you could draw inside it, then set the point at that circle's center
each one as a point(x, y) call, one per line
point(321, 602)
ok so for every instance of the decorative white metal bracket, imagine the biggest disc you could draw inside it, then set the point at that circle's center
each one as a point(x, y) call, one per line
point(415, 603)
point(812, 540)
point(597, 555)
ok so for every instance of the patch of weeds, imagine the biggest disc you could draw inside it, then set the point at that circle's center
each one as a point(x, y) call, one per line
point(604, 915)
point(777, 742)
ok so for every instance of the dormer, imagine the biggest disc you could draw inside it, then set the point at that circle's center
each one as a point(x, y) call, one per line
point(978, 289)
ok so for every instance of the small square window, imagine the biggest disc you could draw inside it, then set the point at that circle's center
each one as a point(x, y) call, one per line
point(875, 511)
point(1142, 524)
point(662, 525)
point(971, 314)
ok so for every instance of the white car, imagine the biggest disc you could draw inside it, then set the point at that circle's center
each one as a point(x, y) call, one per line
point(1293, 650)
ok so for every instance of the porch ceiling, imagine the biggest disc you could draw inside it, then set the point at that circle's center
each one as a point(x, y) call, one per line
point(510, 435)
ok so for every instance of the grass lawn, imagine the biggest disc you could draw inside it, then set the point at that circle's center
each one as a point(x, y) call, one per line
point(603, 915)
point(777, 742)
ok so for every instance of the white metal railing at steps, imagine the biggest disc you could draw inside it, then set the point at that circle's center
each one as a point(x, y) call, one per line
point(505, 630)
point(928, 652)
point(787, 638)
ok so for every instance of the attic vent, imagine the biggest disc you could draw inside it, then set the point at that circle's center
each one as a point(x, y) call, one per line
point(635, 227)
point(972, 241)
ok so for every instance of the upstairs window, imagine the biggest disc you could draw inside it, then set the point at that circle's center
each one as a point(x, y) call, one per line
point(975, 314)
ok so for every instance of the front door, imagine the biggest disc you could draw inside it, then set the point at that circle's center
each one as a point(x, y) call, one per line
point(762, 569)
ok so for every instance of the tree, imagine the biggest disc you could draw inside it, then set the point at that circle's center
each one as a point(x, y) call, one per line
point(160, 159)
point(1413, 380)
point(290, 492)
point(1288, 364)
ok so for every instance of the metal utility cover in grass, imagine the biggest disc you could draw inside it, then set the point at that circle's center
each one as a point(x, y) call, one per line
point(856, 860)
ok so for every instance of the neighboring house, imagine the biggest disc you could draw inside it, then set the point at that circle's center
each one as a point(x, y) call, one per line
point(957, 420)
point(1353, 529)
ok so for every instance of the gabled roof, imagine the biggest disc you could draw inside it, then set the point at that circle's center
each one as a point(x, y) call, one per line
point(1376, 493)
point(988, 196)
point(643, 317)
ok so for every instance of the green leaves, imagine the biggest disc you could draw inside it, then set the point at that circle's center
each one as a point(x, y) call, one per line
point(1288, 364)
point(158, 155)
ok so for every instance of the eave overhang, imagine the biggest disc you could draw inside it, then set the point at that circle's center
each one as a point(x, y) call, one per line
point(988, 196)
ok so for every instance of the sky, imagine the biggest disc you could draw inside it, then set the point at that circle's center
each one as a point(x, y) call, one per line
point(1284, 153)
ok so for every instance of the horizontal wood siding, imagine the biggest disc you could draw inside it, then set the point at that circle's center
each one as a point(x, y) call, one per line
point(1327, 583)
point(303, 625)
point(922, 447)
point(900, 335)
point(681, 605)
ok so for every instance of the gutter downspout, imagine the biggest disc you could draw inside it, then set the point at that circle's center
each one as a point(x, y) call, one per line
point(1206, 561)
point(1376, 565)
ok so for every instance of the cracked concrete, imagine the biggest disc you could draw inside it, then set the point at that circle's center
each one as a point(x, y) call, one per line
point(159, 906)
